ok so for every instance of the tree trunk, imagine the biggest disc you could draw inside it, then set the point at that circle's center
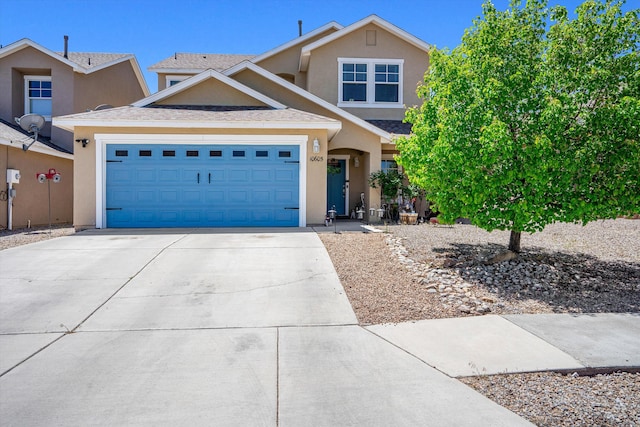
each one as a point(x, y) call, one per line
point(514, 241)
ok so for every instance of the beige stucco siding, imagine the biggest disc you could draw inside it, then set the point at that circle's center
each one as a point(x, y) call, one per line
point(288, 60)
point(322, 75)
point(116, 85)
point(212, 92)
point(31, 202)
point(85, 167)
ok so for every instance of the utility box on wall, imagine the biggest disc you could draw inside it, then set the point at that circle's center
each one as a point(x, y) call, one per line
point(13, 176)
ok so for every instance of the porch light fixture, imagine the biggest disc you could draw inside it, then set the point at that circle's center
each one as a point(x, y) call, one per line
point(84, 141)
point(316, 146)
point(356, 161)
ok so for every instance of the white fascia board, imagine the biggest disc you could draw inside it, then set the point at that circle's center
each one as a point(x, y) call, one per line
point(70, 124)
point(192, 81)
point(384, 136)
point(23, 43)
point(371, 19)
point(193, 71)
point(296, 41)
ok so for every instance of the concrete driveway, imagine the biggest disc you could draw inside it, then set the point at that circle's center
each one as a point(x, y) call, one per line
point(188, 327)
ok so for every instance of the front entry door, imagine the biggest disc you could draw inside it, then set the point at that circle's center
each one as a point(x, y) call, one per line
point(336, 186)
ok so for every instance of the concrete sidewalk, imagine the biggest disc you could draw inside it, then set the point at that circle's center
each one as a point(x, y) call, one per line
point(521, 343)
point(250, 327)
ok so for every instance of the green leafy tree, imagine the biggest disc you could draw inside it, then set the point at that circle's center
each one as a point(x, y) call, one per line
point(533, 119)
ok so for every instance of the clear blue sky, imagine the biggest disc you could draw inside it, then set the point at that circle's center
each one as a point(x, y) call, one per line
point(155, 29)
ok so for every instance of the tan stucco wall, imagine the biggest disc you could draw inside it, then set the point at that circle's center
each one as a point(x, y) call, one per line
point(116, 85)
point(72, 92)
point(31, 202)
point(322, 74)
point(287, 61)
point(85, 163)
point(212, 92)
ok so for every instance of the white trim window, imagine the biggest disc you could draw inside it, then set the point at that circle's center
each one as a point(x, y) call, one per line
point(37, 96)
point(366, 82)
point(174, 80)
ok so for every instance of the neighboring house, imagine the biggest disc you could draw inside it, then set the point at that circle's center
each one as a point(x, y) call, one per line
point(31, 204)
point(273, 140)
point(34, 79)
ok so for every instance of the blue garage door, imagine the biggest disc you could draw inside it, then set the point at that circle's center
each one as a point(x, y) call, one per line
point(202, 185)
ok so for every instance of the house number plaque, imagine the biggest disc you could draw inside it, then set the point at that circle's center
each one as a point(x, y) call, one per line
point(316, 158)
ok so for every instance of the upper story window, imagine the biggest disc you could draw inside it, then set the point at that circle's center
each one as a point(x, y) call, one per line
point(174, 80)
point(370, 82)
point(37, 96)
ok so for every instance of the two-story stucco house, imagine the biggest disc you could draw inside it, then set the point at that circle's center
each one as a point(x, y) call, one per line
point(37, 80)
point(240, 140)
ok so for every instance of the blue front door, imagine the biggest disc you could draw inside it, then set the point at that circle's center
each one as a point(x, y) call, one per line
point(163, 185)
point(336, 185)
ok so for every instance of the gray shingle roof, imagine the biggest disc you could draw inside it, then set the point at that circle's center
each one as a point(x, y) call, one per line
point(396, 127)
point(90, 60)
point(200, 61)
point(14, 133)
point(169, 113)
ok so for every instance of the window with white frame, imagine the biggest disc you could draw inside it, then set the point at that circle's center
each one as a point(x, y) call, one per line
point(174, 80)
point(370, 82)
point(37, 95)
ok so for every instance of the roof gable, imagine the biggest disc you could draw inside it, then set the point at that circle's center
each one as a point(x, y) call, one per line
point(298, 40)
point(81, 62)
point(384, 136)
point(305, 55)
point(173, 91)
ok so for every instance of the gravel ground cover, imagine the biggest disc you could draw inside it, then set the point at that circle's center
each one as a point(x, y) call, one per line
point(435, 271)
point(23, 236)
point(552, 399)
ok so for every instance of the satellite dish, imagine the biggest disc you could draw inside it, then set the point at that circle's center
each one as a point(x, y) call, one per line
point(31, 123)
point(103, 107)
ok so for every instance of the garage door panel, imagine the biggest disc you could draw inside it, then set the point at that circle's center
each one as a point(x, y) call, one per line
point(261, 175)
point(168, 196)
point(168, 216)
point(203, 186)
point(168, 175)
point(120, 176)
point(263, 196)
point(217, 196)
point(238, 175)
point(145, 216)
point(191, 196)
point(146, 175)
point(285, 196)
point(192, 216)
point(241, 196)
point(122, 196)
point(146, 196)
point(285, 175)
